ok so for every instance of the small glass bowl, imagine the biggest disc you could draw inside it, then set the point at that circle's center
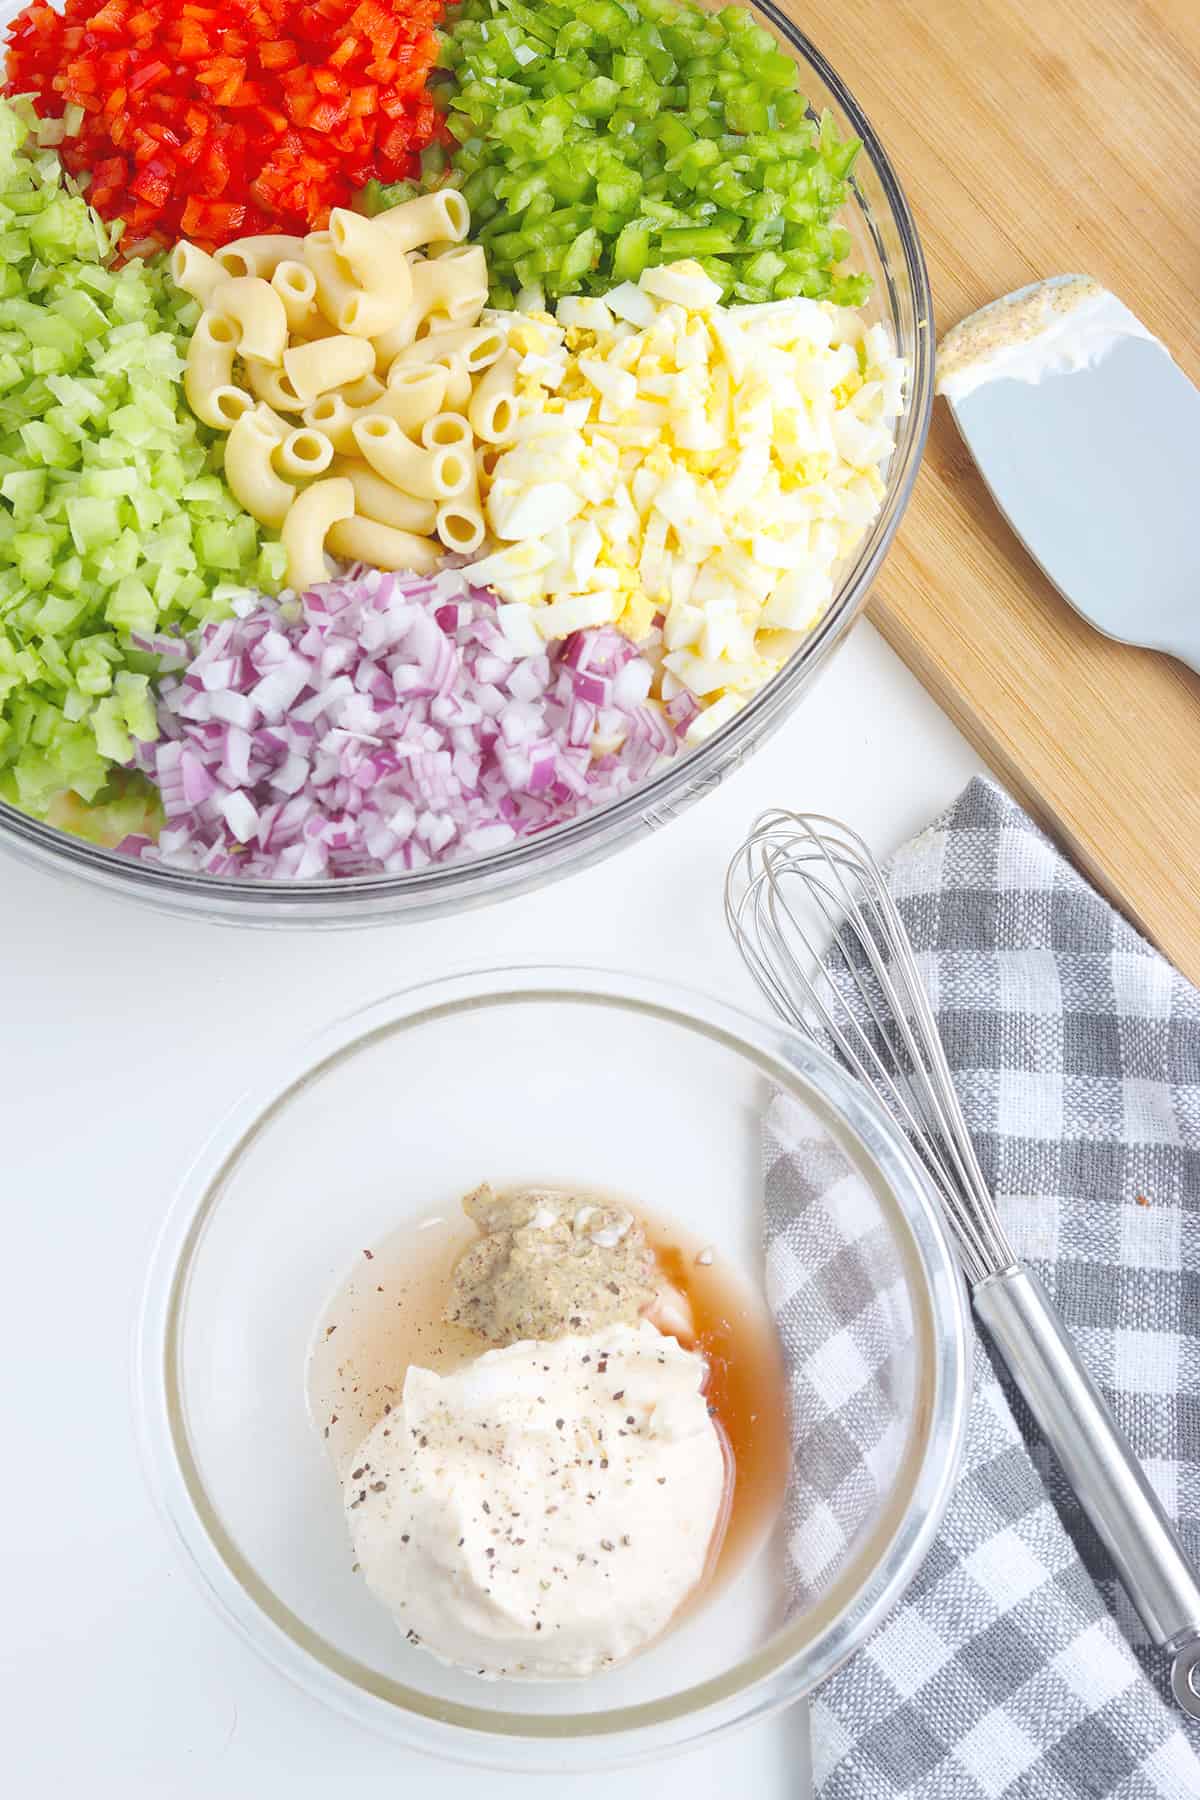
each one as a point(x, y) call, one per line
point(544, 1074)
point(887, 248)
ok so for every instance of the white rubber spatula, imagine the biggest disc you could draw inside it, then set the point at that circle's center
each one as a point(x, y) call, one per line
point(1088, 435)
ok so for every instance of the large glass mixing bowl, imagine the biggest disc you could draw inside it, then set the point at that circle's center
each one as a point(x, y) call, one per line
point(560, 1075)
point(886, 246)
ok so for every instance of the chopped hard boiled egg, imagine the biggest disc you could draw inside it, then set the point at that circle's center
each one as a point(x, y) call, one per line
point(689, 466)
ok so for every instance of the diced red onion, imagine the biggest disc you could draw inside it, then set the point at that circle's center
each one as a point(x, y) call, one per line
point(591, 687)
point(240, 814)
point(387, 726)
point(631, 684)
point(682, 710)
point(581, 723)
point(198, 784)
point(231, 707)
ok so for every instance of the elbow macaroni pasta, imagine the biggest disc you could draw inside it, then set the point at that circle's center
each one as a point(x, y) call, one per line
point(273, 422)
point(304, 453)
point(412, 395)
point(360, 308)
point(456, 283)
point(315, 326)
point(208, 374)
point(253, 480)
point(445, 428)
point(368, 315)
point(458, 380)
point(377, 499)
point(273, 388)
point(329, 363)
point(441, 302)
point(258, 255)
point(335, 285)
point(256, 309)
point(427, 220)
point(332, 417)
point(493, 406)
point(333, 414)
point(459, 521)
point(195, 271)
point(366, 540)
point(363, 392)
point(296, 286)
point(310, 519)
point(460, 524)
point(427, 474)
point(376, 261)
point(478, 345)
point(363, 399)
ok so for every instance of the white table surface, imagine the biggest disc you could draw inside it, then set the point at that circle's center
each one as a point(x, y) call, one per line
point(128, 1034)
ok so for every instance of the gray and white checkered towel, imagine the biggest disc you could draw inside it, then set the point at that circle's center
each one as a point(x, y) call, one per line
point(1014, 1668)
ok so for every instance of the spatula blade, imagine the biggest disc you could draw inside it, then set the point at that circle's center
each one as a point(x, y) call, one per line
point(1087, 433)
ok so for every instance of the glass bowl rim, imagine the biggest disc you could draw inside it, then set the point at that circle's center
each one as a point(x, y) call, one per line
point(801, 1654)
point(367, 898)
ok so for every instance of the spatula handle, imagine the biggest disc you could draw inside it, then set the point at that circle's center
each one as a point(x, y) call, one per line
point(1100, 1465)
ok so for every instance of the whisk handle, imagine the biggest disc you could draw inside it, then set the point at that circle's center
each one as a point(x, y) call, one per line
point(1100, 1465)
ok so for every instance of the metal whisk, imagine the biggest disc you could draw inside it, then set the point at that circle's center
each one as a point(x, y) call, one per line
point(810, 911)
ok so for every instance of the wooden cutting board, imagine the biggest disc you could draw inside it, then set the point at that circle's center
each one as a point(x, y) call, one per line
point(1034, 137)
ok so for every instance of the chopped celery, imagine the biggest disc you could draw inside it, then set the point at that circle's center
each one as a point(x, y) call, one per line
point(131, 806)
point(647, 117)
point(113, 524)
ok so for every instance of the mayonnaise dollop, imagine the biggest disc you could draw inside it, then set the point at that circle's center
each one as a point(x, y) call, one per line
point(545, 1511)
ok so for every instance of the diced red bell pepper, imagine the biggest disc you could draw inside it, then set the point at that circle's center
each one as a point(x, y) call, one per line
point(150, 74)
point(244, 114)
point(153, 183)
point(279, 54)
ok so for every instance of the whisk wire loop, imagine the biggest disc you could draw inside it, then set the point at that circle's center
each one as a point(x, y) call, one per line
point(808, 906)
